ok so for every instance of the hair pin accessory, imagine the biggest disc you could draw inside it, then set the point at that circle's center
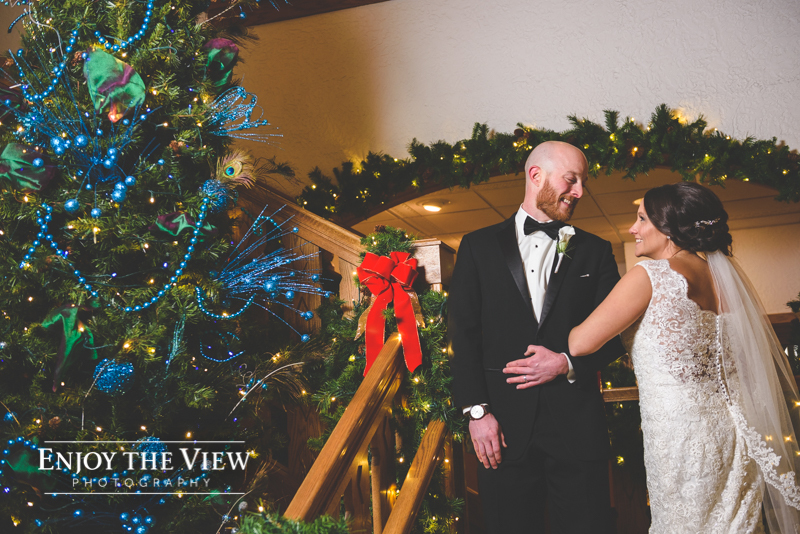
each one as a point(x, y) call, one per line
point(698, 224)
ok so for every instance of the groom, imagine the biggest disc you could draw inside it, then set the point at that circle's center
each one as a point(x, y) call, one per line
point(541, 438)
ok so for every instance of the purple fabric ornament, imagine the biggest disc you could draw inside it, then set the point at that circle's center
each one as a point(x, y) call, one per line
point(222, 56)
point(112, 84)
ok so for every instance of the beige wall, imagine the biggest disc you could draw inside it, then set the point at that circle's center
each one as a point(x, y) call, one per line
point(9, 40)
point(769, 256)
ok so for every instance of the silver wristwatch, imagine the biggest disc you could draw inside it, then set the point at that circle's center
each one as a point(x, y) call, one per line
point(478, 411)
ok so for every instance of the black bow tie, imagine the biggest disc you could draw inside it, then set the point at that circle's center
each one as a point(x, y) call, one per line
point(550, 228)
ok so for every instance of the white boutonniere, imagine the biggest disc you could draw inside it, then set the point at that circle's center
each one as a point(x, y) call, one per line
point(565, 233)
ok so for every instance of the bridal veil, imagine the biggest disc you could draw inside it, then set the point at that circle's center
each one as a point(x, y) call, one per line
point(755, 375)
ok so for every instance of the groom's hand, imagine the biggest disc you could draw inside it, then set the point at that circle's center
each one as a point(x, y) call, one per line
point(487, 437)
point(541, 366)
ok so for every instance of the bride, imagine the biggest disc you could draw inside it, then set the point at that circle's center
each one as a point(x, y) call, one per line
point(718, 401)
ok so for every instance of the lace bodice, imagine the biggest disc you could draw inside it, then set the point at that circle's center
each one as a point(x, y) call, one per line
point(699, 475)
point(684, 335)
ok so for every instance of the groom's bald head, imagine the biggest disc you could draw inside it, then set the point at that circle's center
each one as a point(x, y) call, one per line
point(554, 176)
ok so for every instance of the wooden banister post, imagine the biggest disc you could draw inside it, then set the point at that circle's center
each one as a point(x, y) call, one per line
point(383, 474)
point(419, 476)
point(357, 495)
point(328, 477)
point(436, 261)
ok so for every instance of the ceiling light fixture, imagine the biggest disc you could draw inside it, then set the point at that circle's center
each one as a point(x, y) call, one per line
point(638, 201)
point(434, 205)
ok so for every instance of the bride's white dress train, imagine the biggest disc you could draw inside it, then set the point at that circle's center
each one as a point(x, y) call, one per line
point(700, 478)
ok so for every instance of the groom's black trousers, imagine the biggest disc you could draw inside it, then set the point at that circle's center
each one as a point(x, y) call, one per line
point(576, 491)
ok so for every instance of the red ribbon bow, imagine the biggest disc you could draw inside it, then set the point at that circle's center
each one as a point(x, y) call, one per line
point(389, 279)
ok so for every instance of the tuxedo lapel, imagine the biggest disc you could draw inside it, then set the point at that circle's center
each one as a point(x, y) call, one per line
point(507, 238)
point(556, 280)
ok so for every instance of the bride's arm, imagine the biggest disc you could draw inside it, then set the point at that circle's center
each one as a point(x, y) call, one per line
point(626, 303)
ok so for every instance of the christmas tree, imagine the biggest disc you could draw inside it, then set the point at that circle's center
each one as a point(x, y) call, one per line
point(145, 314)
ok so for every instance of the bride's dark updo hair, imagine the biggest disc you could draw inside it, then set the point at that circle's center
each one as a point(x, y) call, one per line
point(691, 215)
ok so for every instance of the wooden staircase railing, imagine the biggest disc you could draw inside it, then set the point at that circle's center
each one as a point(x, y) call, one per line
point(428, 456)
point(341, 467)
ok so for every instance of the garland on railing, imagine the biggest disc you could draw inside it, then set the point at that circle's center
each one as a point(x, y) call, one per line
point(667, 140)
point(425, 393)
point(263, 523)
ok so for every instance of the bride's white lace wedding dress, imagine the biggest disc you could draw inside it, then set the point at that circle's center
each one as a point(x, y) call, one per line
point(699, 476)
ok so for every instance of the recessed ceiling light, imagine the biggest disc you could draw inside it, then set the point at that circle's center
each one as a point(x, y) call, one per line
point(434, 205)
point(638, 201)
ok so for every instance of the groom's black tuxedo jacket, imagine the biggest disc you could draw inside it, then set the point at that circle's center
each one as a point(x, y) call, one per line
point(491, 322)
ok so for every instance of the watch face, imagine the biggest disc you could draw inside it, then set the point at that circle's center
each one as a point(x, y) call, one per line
point(477, 411)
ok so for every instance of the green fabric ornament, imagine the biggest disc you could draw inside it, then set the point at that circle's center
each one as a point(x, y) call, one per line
point(25, 464)
point(176, 222)
point(74, 331)
point(222, 56)
point(113, 84)
point(18, 164)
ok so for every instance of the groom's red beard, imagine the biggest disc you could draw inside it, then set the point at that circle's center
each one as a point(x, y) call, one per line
point(550, 203)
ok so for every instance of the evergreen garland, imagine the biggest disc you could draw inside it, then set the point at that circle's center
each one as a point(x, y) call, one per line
point(273, 524)
point(380, 181)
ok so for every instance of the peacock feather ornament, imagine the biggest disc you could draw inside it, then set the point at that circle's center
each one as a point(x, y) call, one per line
point(234, 169)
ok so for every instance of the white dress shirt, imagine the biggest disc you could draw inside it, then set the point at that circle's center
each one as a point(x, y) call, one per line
point(538, 252)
